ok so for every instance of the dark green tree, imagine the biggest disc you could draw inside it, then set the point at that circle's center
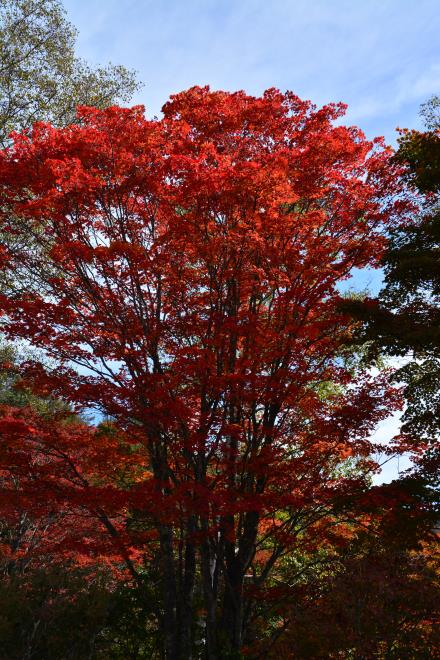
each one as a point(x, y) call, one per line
point(405, 318)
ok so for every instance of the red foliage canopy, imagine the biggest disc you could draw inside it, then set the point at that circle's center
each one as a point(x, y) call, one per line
point(184, 274)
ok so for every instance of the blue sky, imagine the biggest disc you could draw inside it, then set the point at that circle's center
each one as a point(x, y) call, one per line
point(381, 57)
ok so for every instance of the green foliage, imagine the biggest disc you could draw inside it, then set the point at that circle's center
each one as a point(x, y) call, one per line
point(66, 612)
point(132, 629)
point(52, 614)
point(40, 76)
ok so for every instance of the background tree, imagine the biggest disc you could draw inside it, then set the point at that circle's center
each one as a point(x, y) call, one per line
point(405, 318)
point(41, 78)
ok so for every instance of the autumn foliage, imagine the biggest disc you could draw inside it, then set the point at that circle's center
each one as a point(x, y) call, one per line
point(182, 273)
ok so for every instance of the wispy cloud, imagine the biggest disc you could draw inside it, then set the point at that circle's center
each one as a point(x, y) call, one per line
point(381, 57)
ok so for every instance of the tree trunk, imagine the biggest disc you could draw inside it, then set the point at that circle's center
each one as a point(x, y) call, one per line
point(232, 614)
point(169, 620)
point(209, 597)
point(185, 615)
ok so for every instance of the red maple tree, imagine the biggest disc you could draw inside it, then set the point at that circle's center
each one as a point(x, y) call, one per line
point(183, 273)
